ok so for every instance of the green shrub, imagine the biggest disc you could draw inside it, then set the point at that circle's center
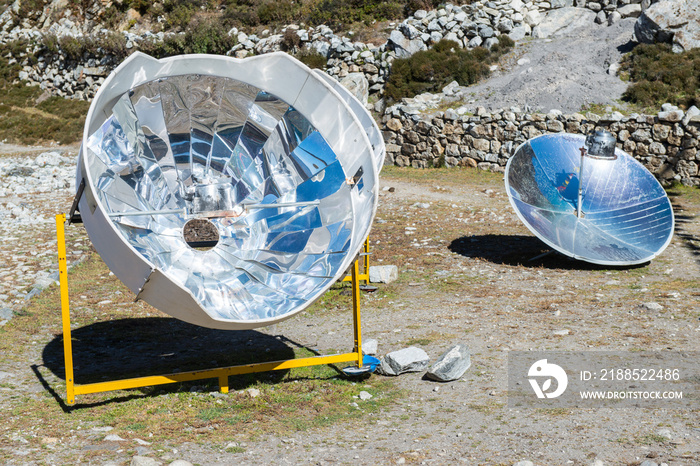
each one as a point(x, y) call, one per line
point(50, 42)
point(114, 43)
point(241, 13)
point(201, 36)
point(338, 14)
point(208, 36)
point(658, 76)
point(312, 59)
point(279, 11)
point(30, 9)
point(24, 122)
point(290, 40)
point(430, 70)
point(75, 47)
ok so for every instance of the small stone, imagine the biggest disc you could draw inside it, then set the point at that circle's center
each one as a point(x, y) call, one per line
point(180, 463)
point(369, 346)
point(253, 392)
point(394, 124)
point(383, 273)
point(144, 461)
point(364, 396)
point(410, 359)
point(524, 463)
point(451, 365)
point(102, 429)
point(652, 306)
point(563, 332)
point(113, 438)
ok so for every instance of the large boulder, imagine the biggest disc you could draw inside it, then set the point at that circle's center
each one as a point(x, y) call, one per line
point(358, 86)
point(563, 21)
point(673, 21)
point(406, 46)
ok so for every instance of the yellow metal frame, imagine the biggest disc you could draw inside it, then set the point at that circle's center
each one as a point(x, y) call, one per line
point(221, 373)
point(364, 276)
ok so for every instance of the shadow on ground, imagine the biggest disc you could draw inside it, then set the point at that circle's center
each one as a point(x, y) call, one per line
point(519, 250)
point(141, 347)
point(682, 221)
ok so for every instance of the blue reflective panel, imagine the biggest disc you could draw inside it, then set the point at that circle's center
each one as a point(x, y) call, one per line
point(626, 215)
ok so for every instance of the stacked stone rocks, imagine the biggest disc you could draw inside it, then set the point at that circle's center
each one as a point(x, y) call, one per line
point(668, 143)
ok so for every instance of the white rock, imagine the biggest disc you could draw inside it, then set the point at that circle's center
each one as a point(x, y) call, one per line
point(410, 359)
point(383, 273)
point(691, 112)
point(451, 365)
point(652, 306)
point(369, 346)
point(144, 461)
point(358, 86)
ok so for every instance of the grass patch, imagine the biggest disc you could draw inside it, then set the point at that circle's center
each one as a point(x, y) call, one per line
point(23, 121)
point(456, 176)
point(658, 75)
point(432, 69)
point(650, 439)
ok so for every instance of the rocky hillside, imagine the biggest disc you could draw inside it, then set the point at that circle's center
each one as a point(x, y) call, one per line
point(69, 52)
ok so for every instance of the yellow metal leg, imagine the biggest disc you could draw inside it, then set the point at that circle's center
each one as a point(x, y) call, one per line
point(356, 312)
point(223, 383)
point(364, 275)
point(65, 307)
point(366, 259)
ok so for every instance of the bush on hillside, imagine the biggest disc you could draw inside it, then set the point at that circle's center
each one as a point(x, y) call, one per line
point(201, 36)
point(339, 13)
point(658, 76)
point(431, 70)
point(312, 59)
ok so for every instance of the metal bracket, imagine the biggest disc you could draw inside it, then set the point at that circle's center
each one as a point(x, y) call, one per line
point(74, 214)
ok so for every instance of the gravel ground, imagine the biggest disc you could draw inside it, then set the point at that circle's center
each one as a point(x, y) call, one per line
point(464, 277)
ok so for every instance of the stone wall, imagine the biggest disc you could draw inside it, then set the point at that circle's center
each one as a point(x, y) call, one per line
point(668, 144)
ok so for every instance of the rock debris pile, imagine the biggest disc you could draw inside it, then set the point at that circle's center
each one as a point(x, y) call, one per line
point(32, 191)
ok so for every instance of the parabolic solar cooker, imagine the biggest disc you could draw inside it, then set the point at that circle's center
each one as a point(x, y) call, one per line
point(588, 199)
point(277, 162)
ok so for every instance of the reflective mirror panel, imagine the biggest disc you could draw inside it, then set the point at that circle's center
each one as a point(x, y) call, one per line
point(626, 217)
point(288, 214)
